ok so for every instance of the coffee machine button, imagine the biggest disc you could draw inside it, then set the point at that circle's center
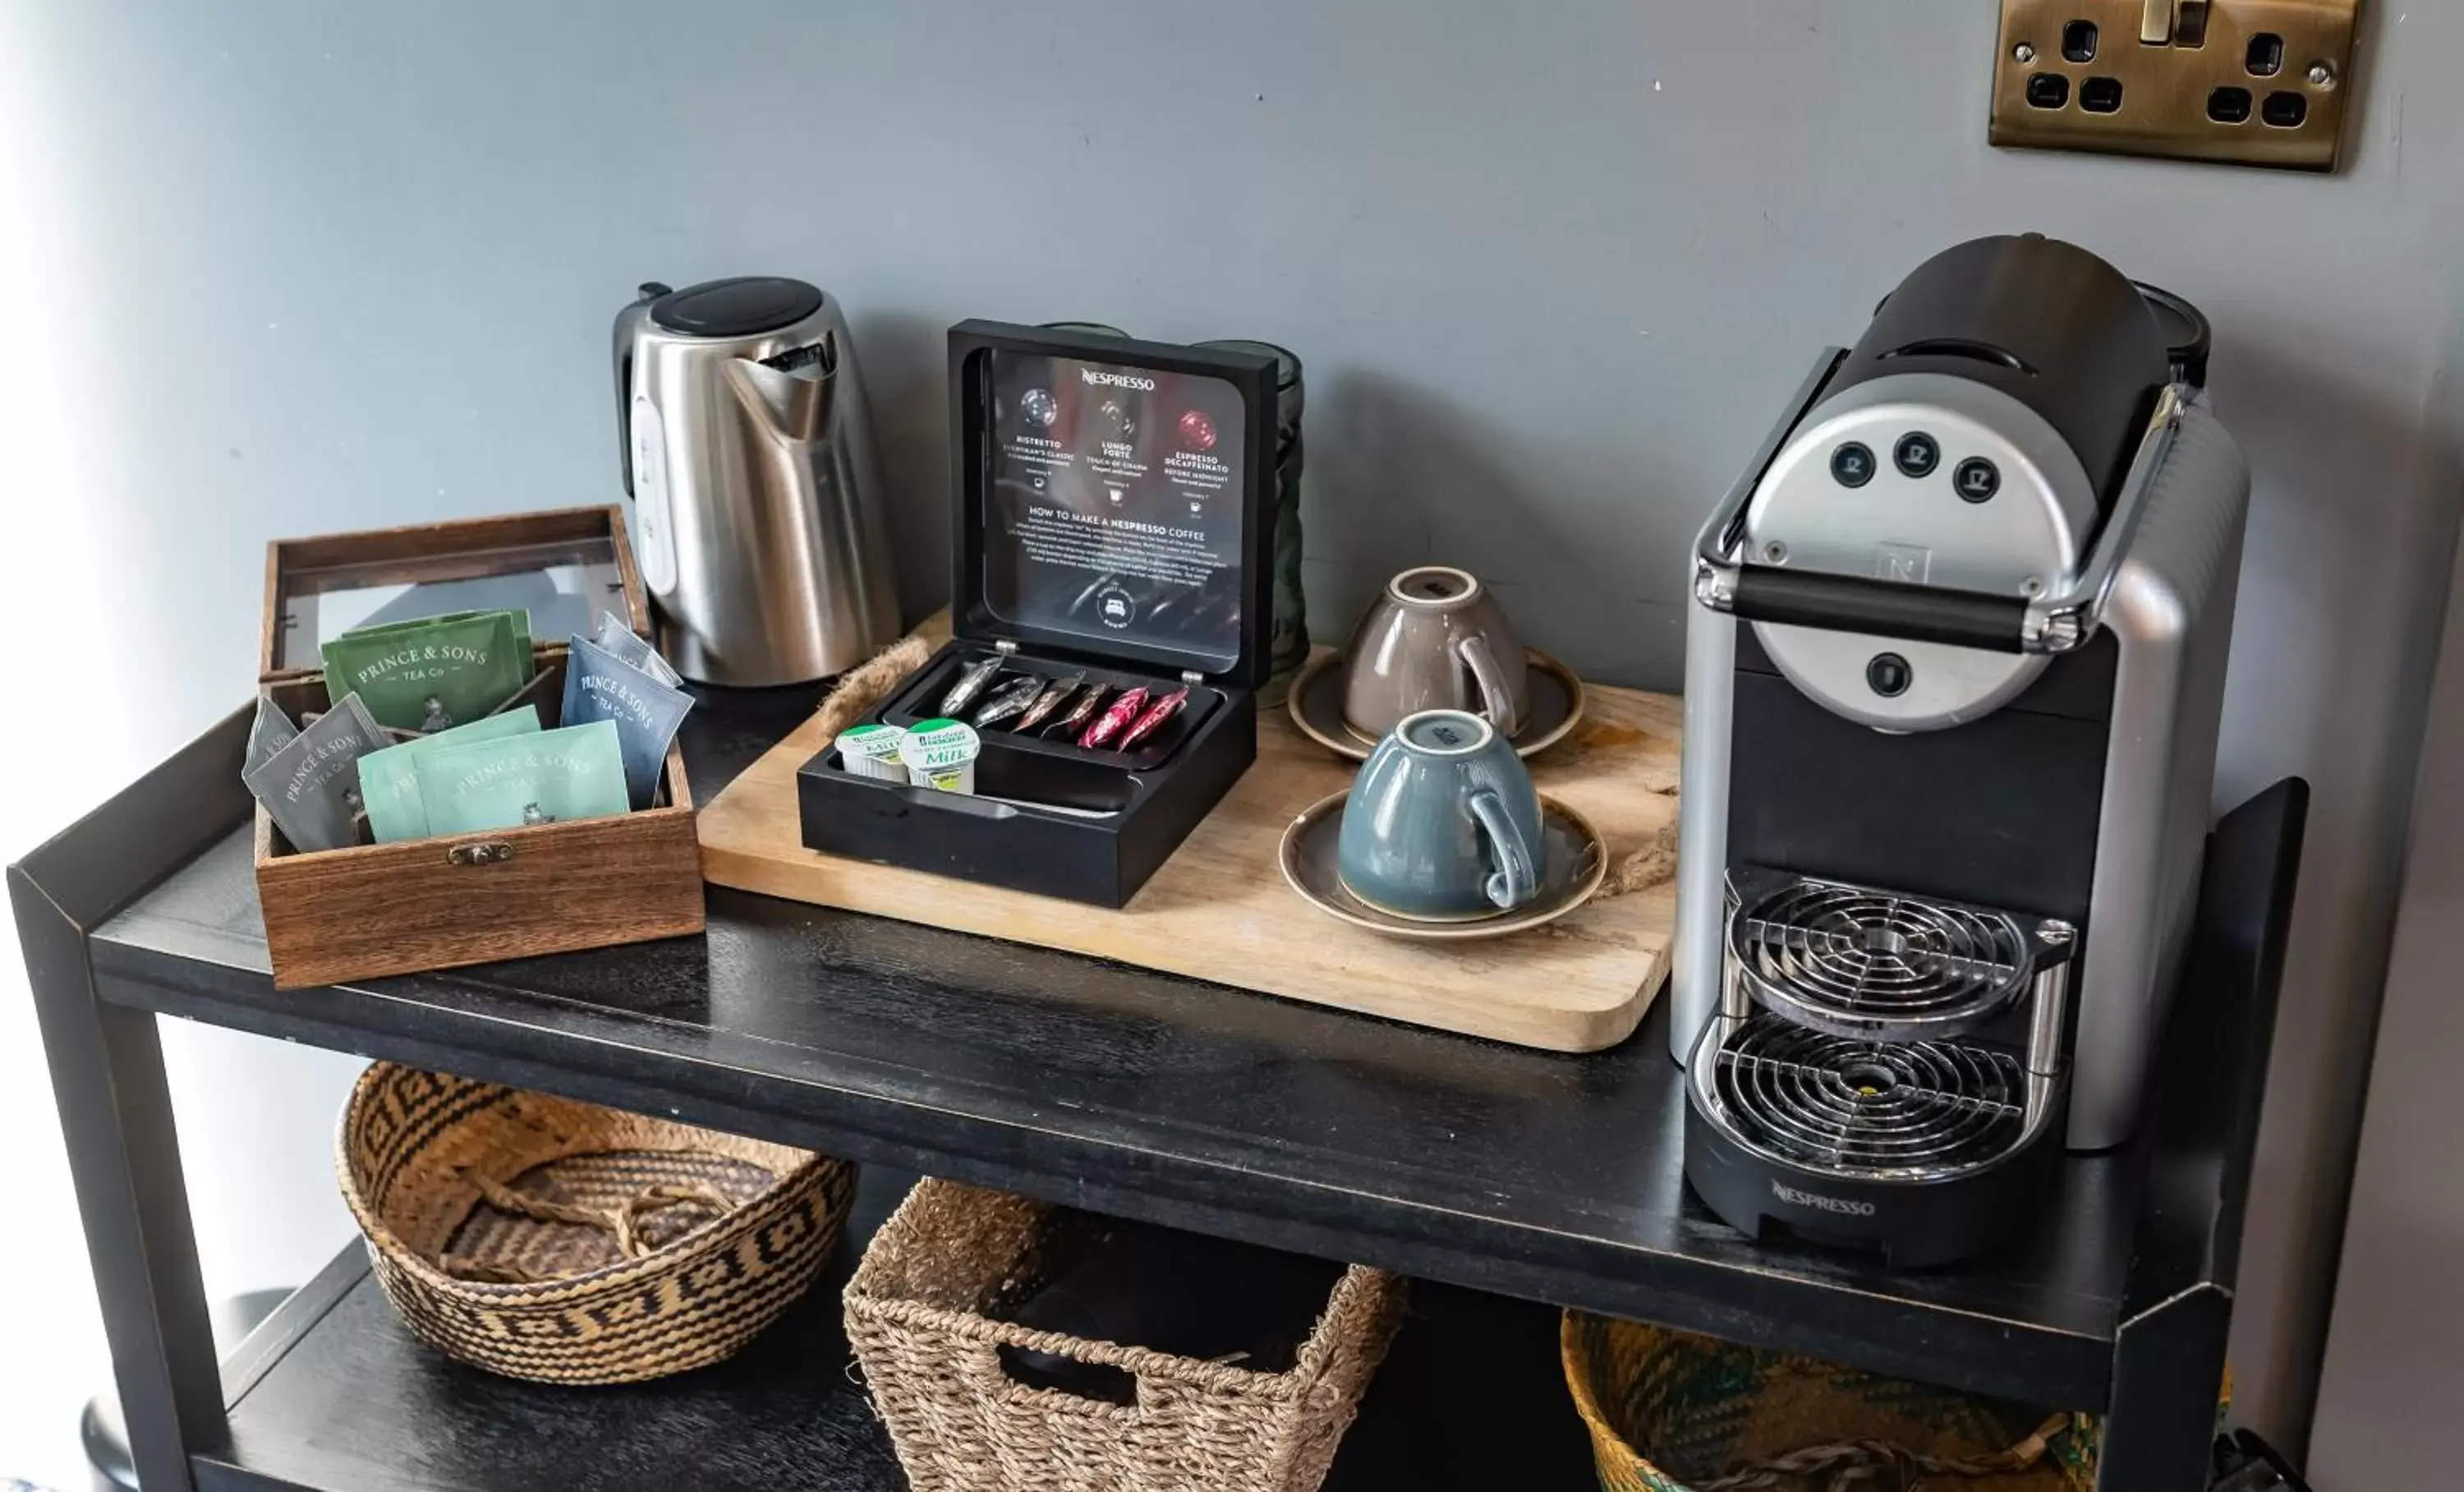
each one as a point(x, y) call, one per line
point(1851, 464)
point(1977, 479)
point(1917, 454)
point(1889, 674)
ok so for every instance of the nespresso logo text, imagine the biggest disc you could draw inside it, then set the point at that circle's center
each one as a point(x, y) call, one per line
point(1823, 1204)
point(1117, 380)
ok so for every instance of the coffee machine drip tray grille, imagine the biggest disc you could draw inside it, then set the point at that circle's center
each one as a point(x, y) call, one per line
point(1855, 962)
point(1898, 1111)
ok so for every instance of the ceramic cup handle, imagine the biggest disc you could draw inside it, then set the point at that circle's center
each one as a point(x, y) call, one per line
point(1496, 700)
point(1517, 879)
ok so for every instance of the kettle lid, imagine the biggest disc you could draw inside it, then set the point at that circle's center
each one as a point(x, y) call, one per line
point(745, 306)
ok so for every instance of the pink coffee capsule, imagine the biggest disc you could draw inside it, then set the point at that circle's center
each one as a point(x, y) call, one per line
point(1115, 721)
point(1156, 714)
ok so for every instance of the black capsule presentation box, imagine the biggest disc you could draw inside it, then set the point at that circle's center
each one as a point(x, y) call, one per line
point(1114, 517)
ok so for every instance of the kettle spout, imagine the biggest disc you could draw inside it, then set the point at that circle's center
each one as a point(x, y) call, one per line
point(789, 394)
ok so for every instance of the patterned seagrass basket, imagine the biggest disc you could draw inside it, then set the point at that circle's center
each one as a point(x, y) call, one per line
point(918, 1313)
point(558, 1241)
point(1670, 1412)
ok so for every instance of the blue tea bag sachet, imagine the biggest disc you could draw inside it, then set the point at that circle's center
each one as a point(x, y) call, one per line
point(599, 685)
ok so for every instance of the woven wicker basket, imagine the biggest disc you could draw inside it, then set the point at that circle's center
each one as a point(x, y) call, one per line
point(1669, 1412)
point(914, 1313)
point(562, 1242)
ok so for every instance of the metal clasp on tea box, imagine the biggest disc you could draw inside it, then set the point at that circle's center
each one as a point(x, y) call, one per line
point(492, 851)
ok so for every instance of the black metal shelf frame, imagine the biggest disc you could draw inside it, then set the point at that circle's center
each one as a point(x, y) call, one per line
point(1530, 1175)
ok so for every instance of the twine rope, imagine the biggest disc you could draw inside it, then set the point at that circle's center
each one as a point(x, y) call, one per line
point(1880, 1466)
point(624, 1223)
point(867, 685)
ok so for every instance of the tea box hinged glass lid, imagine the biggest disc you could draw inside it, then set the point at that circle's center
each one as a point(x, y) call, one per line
point(564, 567)
point(1113, 500)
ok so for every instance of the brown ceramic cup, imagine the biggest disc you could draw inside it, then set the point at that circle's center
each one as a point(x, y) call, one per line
point(1434, 639)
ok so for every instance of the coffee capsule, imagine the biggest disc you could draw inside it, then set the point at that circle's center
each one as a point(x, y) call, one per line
point(1080, 713)
point(1051, 700)
point(972, 682)
point(1113, 721)
point(1154, 718)
point(1008, 701)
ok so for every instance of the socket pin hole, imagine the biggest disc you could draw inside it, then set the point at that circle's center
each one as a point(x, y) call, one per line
point(2285, 110)
point(2079, 41)
point(2265, 57)
point(2100, 95)
point(2230, 105)
point(2049, 90)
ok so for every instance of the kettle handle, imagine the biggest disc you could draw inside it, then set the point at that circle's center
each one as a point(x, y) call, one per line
point(629, 324)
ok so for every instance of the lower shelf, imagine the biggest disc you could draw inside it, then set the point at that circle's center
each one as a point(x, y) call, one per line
point(333, 1393)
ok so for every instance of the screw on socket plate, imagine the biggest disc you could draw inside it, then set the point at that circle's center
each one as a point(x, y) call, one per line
point(2323, 75)
point(2023, 53)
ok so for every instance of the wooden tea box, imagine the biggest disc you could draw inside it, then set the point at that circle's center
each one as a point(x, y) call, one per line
point(337, 915)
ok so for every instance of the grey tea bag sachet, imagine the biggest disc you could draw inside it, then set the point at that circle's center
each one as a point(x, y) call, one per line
point(389, 779)
point(270, 732)
point(312, 786)
point(599, 685)
point(627, 644)
point(435, 674)
point(553, 777)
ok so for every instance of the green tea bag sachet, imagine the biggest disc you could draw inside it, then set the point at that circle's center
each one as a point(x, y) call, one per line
point(311, 786)
point(389, 779)
point(433, 674)
point(552, 776)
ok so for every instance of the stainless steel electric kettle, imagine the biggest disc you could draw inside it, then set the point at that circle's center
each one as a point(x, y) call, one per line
point(748, 452)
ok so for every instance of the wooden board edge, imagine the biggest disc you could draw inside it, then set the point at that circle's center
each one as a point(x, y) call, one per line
point(1569, 1032)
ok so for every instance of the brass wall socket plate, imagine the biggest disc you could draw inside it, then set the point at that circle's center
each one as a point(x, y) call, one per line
point(2261, 82)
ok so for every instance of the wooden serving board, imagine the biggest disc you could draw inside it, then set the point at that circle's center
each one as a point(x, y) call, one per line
point(1218, 909)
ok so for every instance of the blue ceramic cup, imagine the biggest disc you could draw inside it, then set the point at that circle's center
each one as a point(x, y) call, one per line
point(1442, 824)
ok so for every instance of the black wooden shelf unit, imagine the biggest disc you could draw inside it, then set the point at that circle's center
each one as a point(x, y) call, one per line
point(1513, 1181)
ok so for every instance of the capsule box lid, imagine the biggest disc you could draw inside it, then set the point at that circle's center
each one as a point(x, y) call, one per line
point(565, 566)
point(1114, 498)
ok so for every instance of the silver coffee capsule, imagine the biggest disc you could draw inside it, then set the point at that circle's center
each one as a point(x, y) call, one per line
point(971, 684)
point(1009, 699)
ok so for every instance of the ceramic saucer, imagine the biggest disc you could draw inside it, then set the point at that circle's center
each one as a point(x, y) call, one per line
point(1577, 862)
point(1316, 707)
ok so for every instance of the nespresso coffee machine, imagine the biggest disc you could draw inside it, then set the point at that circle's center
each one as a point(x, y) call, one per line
point(1953, 694)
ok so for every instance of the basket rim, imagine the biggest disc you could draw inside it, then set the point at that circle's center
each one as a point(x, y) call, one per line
point(1358, 1294)
point(1587, 1404)
point(1607, 1437)
point(623, 1272)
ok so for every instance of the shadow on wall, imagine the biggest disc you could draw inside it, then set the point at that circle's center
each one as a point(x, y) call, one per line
point(2333, 447)
point(1401, 475)
point(905, 358)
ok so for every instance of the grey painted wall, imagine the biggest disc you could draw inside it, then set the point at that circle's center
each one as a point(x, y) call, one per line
point(2394, 1369)
point(1552, 268)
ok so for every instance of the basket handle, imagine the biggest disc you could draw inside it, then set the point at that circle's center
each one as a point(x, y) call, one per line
point(625, 1222)
point(995, 1380)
